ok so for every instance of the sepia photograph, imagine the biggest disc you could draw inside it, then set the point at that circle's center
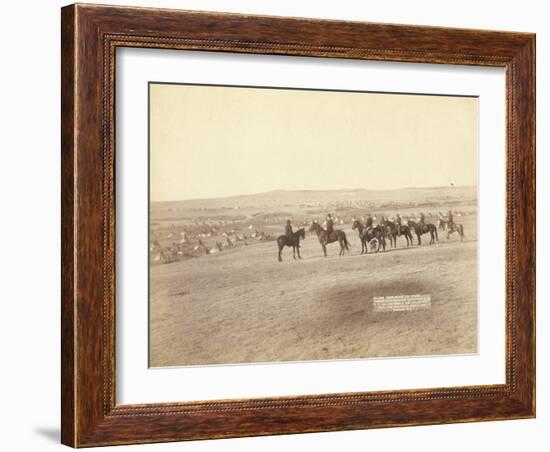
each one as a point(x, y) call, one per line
point(291, 224)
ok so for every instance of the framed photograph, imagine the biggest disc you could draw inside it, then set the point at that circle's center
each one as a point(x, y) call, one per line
point(280, 225)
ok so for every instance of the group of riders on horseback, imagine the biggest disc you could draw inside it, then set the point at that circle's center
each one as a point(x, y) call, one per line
point(370, 234)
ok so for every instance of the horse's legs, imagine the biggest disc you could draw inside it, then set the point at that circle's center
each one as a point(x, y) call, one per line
point(280, 249)
point(324, 249)
point(298, 249)
point(294, 252)
point(419, 241)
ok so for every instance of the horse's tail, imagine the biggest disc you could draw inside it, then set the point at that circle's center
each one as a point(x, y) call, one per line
point(436, 237)
point(346, 243)
point(461, 231)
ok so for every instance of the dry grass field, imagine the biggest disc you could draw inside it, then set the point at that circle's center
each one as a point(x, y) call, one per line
point(240, 305)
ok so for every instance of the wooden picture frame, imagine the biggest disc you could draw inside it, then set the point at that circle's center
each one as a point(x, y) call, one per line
point(90, 35)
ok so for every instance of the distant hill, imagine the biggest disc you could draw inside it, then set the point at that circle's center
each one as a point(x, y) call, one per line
point(313, 198)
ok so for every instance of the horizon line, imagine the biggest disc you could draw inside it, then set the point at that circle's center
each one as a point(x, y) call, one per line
point(309, 190)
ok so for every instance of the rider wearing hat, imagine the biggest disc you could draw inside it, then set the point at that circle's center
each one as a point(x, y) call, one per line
point(422, 219)
point(450, 218)
point(398, 219)
point(369, 221)
point(288, 230)
point(330, 224)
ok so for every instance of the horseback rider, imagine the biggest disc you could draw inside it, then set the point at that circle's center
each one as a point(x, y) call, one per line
point(450, 221)
point(398, 220)
point(330, 225)
point(442, 224)
point(369, 222)
point(422, 222)
point(288, 231)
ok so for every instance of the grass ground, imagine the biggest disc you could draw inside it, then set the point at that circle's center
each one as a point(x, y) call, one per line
point(242, 306)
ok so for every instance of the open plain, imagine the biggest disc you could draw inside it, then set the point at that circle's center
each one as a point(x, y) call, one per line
point(218, 295)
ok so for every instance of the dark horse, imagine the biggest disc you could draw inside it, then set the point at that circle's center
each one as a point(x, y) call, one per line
point(455, 227)
point(394, 230)
point(373, 236)
point(325, 238)
point(420, 229)
point(294, 242)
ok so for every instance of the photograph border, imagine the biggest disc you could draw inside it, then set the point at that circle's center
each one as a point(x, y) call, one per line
point(90, 36)
point(277, 88)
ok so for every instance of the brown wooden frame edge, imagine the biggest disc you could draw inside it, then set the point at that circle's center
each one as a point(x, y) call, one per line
point(90, 35)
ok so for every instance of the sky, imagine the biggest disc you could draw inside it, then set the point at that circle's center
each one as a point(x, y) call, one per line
point(217, 141)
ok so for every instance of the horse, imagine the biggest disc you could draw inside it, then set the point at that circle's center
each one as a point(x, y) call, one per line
point(374, 236)
point(325, 238)
point(454, 227)
point(425, 228)
point(442, 224)
point(294, 242)
point(394, 230)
